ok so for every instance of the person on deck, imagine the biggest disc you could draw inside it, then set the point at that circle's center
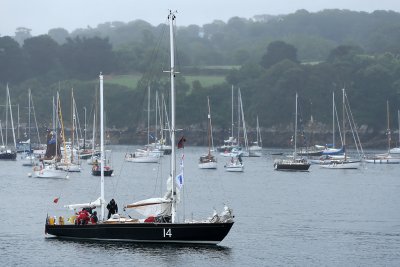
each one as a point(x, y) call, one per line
point(93, 218)
point(83, 217)
point(112, 208)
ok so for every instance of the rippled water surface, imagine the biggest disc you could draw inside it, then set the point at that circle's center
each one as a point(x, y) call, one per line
point(322, 217)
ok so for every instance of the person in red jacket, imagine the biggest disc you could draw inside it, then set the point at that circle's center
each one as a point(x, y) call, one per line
point(83, 217)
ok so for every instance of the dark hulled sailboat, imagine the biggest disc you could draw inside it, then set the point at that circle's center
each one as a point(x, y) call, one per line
point(6, 152)
point(293, 164)
point(162, 228)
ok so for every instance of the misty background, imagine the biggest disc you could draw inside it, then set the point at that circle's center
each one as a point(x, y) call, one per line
point(43, 15)
point(269, 57)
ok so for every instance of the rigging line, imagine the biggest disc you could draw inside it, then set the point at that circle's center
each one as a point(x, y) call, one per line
point(150, 73)
point(352, 122)
point(158, 48)
point(302, 132)
point(352, 127)
point(338, 124)
point(34, 116)
point(113, 183)
point(160, 176)
point(355, 128)
point(78, 129)
point(157, 180)
point(122, 167)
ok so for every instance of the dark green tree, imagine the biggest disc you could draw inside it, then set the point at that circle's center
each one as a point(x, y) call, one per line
point(85, 57)
point(59, 35)
point(12, 61)
point(42, 54)
point(278, 51)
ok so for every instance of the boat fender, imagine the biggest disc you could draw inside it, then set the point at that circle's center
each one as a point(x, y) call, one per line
point(215, 219)
point(149, 219)
point(61, 220)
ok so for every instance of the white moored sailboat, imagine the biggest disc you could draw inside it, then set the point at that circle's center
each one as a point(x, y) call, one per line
point(257, 145)
point(8, 152)
point(345, 162)
point(29, 159)
point(208, 161)
point(150, 154)
point(386, 158)
point(235, 164)
point(48, 166)
point(396, 150)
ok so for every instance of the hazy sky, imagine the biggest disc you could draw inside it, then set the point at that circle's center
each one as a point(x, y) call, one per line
point(42, 15)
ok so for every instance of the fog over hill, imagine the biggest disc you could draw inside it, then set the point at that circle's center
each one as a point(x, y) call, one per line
point(41, 16)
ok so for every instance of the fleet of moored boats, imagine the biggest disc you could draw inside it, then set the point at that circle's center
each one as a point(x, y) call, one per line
point(160, 224)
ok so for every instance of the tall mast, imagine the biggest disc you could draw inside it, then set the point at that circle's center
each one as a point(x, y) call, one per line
point(1, 133)
point(389, 137)
point(211, 130)
point(148, 115)
point(398, 118)
point(156, 111)
point(101, 149)
point(11, 118)
point(171, 18)
point(61, 121)
point(232, 113)
point(246, 143)
point(295, 133)
point(54, 116)
point(18, 121)
point(257, 131)
point(6, 143)
point(209, 126)
point(238, 114)
point(259, 138)
point(29, 121)
point(333, 119)
point(94, 133)
point(344, 127)
point(84, 131)
point(73, 124)
point(56, 125)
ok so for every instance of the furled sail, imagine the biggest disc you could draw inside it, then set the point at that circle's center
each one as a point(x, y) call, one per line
point(94, 204)
point(53, 146)
point(152, 206)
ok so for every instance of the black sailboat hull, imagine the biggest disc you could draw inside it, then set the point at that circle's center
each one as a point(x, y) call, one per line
point(106, 172)
point(167, 151)
point(190, 233)
point(311, 153)
point(291, 167)
point(8, 155)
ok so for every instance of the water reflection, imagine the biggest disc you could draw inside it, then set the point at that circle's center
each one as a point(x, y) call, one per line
point(147, 249)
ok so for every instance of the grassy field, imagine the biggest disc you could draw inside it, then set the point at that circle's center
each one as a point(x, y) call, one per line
point(131, 80)
point(205, 80)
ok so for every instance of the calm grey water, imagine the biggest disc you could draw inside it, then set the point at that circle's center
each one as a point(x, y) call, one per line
point(319, 218)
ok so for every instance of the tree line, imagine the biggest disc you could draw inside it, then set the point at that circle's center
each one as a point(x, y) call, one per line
point(313, 54)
